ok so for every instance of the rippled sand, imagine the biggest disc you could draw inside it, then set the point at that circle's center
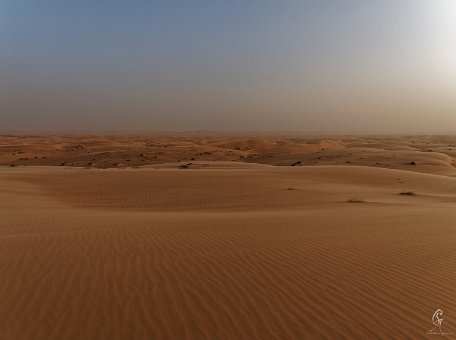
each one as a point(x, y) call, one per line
point(226, 250)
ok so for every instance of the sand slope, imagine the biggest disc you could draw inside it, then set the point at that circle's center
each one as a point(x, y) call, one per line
point(216, 253)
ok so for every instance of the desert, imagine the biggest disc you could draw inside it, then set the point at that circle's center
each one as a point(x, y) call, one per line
point(227, 170)
point(206, 236)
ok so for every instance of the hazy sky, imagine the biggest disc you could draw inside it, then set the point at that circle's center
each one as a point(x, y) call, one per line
point(317, 66)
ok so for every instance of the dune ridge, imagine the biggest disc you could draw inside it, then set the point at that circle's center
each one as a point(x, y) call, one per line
point(426, 154)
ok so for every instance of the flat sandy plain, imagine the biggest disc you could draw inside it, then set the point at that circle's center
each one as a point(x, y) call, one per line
point(200, 236)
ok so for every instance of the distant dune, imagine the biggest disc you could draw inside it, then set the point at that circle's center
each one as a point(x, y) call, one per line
point(429, 154)
point(223, 249)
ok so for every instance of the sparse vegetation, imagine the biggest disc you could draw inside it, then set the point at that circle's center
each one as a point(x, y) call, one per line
point(355, 200)
point(407, 193)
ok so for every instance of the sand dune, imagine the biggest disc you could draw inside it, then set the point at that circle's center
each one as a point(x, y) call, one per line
point(428, 154)
point(217, 252)
point(244, 144)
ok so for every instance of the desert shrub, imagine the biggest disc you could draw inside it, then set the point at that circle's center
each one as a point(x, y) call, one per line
point(407, 193)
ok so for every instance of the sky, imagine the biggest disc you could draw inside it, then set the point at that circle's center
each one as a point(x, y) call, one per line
point(311, 66)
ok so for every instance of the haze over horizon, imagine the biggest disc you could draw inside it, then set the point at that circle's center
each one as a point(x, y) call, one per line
point(336, 67)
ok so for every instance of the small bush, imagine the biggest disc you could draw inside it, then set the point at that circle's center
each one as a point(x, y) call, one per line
point(407, 193)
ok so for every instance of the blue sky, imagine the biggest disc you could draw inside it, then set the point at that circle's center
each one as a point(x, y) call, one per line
point(313, 66)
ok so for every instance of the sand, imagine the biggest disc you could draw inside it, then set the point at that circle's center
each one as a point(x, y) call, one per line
point(228, 249)
point(428, 154)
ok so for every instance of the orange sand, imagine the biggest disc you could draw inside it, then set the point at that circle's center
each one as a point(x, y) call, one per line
point(227, 250)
